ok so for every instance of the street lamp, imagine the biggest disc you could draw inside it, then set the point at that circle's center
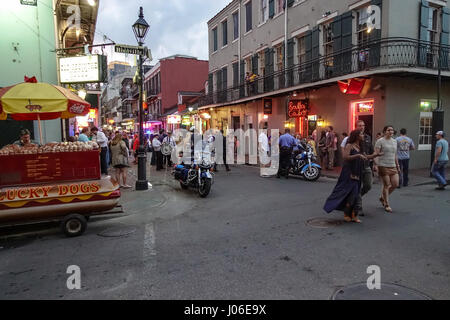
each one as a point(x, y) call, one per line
point(140, 29)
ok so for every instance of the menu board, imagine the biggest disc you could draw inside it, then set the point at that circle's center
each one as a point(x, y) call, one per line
point(49, 167)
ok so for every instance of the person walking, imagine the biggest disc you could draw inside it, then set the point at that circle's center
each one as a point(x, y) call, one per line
point(224, 153)
point(135, 148)
point(368, 150)
point(322, 148)
point(347, 190)
point(264, 150)
point(331, 146)
point(388, 166)
point(404, 146)
point(440, 160)
point(102, 142)
point(119, 155)
point(286, 143)
point(156, 144)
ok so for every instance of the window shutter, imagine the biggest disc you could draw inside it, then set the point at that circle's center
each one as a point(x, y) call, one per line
point(210, 84)
point(235, 74)
point(336, 27)
point(219, 80)
point(445, 38)
point(315, 53)
point(290, 3)
point(306, 74)
point(271, 8)
point(347, 44)
point(242, 82)
point(224, 83)
point(255, 64)
point(445, 26)
point(290, 62)
point(423, 32)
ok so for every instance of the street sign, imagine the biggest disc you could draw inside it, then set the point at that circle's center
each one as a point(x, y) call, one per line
point(143, 51)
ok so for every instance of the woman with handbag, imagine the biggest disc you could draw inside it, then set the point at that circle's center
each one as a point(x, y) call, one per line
point(119, 153)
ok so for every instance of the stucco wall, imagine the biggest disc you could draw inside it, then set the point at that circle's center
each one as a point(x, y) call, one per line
point(27, 39)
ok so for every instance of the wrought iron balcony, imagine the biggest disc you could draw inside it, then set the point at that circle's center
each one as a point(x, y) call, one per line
point(390, 53)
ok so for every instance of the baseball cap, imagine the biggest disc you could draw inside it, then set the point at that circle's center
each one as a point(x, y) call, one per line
point(441, 133)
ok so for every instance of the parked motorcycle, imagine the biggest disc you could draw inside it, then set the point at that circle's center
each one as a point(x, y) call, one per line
point(303, 163)
point(198, 175)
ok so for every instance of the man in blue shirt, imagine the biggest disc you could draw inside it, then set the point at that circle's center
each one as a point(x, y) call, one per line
point(440, 160)
point(404, 146)
point(83, 136)
point(286, 143)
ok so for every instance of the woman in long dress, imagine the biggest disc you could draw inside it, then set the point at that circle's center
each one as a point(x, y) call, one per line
point(347, 190)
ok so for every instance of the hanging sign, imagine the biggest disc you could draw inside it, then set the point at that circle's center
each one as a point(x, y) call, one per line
point(298, 108)
point(174, 119)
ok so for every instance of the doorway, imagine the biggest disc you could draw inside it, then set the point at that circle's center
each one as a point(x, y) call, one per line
point(236, 123)
point(362, 110)
point(368, 120)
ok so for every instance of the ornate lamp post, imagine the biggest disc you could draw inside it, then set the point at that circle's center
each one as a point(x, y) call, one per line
point(140, 28)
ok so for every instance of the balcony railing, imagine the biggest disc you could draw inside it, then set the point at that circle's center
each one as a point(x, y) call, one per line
point(382, 54)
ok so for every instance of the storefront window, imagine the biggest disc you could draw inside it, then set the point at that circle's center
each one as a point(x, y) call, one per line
point(425, 123)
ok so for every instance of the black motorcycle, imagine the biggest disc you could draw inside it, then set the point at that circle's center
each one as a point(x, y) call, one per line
point(196, 176)
point(303, 163)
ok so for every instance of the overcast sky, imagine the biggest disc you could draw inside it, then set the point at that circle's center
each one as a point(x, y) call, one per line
point(176, 26)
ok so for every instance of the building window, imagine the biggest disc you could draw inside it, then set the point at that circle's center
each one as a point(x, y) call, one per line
point(328, 44)
point(362, 28)
point(301, 50)
point(262, 64)
point(280, 6)
point(225, 33)
point(433, 24)
point(425, 124)
point(248, 16)
point(280, 56)
point(235, 25)
point(215, 44)
point(264, 11)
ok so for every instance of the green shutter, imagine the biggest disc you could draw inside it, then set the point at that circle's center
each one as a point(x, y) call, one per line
point(347, 42)
point(336, 27)
point(219, 83)
point(224, 83)
point(306, 74)
point(235, 74)
point(255, 64)
point(315, 52)
point(242, 82)
point(271, 8)
point(290, 62)
point(445, 38)
point(423, 32)
point(210, 84)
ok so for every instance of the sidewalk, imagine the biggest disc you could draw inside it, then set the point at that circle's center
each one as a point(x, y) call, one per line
point(417, 177)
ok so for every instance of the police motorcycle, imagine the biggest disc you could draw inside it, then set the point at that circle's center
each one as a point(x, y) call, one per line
point(198, 174)
point(303, 163)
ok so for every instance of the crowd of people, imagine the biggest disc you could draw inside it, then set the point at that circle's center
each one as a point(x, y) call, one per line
point(361, 159)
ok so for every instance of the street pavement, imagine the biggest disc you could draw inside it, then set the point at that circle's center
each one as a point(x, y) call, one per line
point(248, 240)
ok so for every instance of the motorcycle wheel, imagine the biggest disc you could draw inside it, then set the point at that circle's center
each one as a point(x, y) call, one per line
point(184, 187)
point(204, 190)
point(312, 174)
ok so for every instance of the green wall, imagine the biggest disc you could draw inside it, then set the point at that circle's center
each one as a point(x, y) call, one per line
point(27, 39)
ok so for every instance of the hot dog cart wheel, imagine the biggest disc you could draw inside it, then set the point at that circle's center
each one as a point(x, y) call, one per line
point(74, 225)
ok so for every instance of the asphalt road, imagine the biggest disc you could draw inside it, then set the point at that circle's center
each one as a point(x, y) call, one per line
point(248, 240)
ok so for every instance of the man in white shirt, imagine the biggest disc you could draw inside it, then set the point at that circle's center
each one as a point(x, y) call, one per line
point(102, 142)
point(156, 144)
point(264, 150)
point(169, 140)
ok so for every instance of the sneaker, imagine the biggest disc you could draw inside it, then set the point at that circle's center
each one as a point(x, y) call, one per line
point(441, 187)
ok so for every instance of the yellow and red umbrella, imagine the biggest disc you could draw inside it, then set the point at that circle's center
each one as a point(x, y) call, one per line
point(40, 101)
